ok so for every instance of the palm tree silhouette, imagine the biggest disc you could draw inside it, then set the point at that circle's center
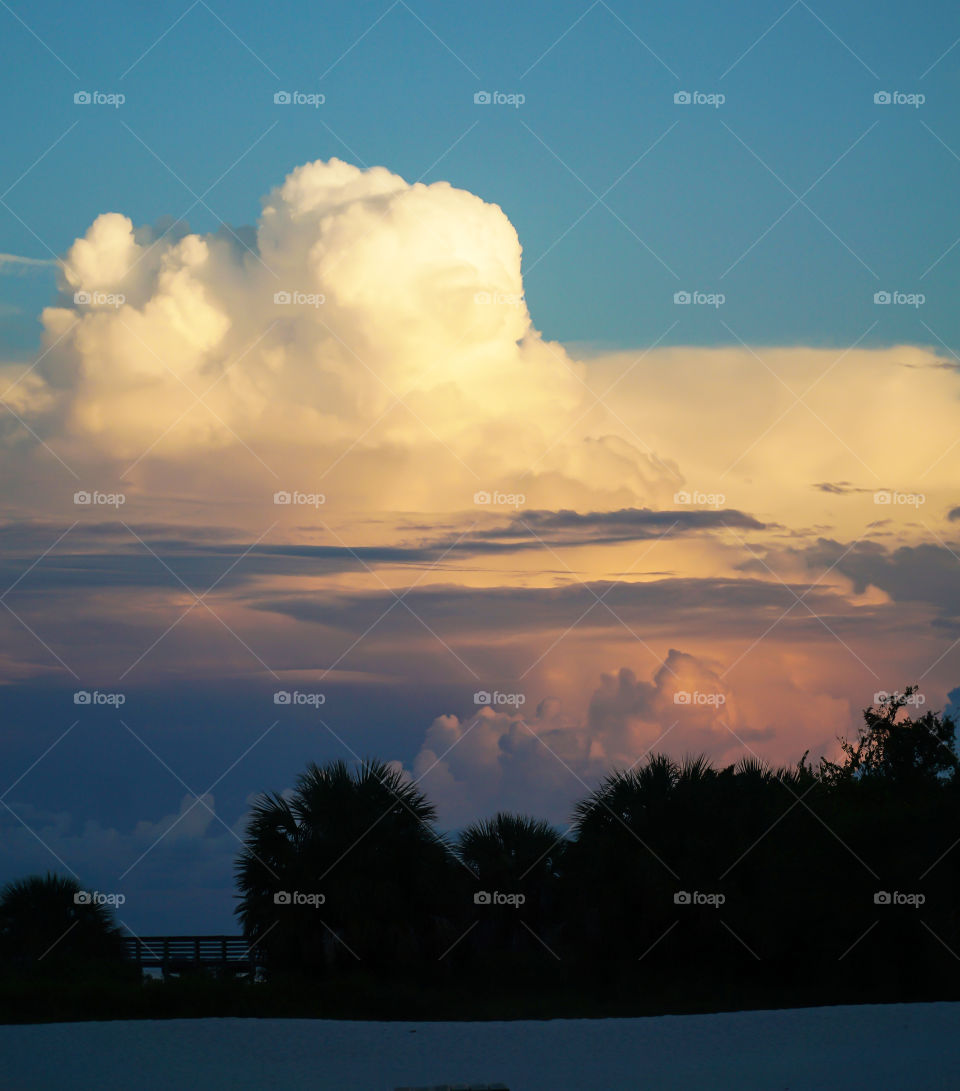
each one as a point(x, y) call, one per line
point(48, 923)
point(513, 855)
point(509, 849)
point(349, 867)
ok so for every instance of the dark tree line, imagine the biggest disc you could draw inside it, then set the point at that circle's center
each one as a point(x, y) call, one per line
point(837, 873)
point(815, 883)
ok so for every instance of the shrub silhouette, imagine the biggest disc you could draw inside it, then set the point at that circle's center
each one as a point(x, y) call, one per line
point(896, 751)
point(45, 929)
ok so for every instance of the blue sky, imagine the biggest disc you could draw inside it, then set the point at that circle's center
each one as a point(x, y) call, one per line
point(799, 97)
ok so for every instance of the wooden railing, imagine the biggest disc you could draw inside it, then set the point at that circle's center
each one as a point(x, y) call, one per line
point(176, 952)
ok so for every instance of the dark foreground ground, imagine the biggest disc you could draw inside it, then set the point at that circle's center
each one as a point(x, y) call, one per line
point(359, 997)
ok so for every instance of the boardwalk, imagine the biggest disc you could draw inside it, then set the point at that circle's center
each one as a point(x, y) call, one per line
point(175, 953)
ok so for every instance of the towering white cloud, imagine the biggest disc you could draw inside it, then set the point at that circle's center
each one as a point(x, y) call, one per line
point(367, 316)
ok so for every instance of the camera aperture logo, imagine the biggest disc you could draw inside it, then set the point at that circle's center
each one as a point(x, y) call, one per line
point(699, 897)
point(98, 897)
point(294, 498)
point(501, 299)
point(700, 499)
point(695, 697)
point(99, 98)
point(95, 697)
point(498, 897)
point(899, 299)
point(699, 98)
point(881, 697)
point(299, 98)
point(899, 98)
point(699, 299)
point(898, 897)
point(295, 697)
point(496, 499)
point(894, 498)
point(499, 98)
point(296, 298)
point(496, 699)
point(299, 898)
point(99, 299)
point(96, 499)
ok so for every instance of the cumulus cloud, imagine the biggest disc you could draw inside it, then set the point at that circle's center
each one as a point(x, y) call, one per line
point(405, 373)
point(500, 758)
point(369, 317)
point(504, 756)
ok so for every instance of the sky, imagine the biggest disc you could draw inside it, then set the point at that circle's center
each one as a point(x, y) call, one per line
point(504, 392)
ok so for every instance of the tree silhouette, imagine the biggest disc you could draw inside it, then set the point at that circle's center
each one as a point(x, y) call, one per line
point(898, 751)
point(348, 868)
point(48, 924)
point(514, 855)
point(677, 878)
point(510, 849)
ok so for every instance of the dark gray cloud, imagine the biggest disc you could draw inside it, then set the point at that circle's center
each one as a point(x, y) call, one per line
point(107, 554)
point(734, 605)
point(627, 524)
point(922, 573)
point(840, 488)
